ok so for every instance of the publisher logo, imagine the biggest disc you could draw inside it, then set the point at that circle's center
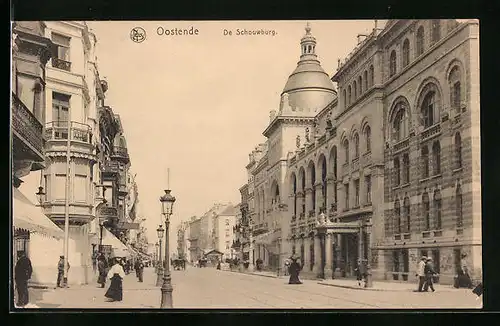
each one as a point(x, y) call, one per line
point(138, 34)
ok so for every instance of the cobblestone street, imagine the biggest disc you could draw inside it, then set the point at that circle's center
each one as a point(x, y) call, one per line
point(200, 288)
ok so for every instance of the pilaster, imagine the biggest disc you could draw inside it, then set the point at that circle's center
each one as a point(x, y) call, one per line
point(317, 255)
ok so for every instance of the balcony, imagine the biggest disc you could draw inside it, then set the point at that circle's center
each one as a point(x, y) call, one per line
point(431, 132)
point(58, 130)
point(355, 164)
point(121, 153)
point(27, 128)
point(401, 145)
point(61, 64)
point(112, 167)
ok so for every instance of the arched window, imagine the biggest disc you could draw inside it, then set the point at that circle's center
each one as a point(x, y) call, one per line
point(436, 157)
point(436, 30)
point(406, 212)
point(294, 191)
point(303, 184)
point(312, 171)
point(324, 187)
point(428, 109)
point(392, 64)
point(356, 145)
point(397, 172)
point(355, 89)
point(349, 93)
point(406, 168)
point(365, 76)
point(400, 122)
point(426, 211)
point(458, 151)
point(345, 98)
point(346, 150)
point(458, 206)
point(397, 217)
point(406, 52)
point(455, 88)
point(360, 85)
point(420, 40)
point(425, 162)
point(372, 76)
point(437, 210)
point(368, 140)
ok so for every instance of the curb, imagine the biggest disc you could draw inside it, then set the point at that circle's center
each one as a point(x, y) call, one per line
point(378, 289)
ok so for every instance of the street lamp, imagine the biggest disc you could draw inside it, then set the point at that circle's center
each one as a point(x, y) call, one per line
point(167, 203)
point(159, 273)
point(156, 257)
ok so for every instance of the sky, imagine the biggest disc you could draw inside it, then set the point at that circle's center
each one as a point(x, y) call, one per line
point(198, 104)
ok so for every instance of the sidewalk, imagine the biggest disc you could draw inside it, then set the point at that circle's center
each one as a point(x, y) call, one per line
point(386, 286)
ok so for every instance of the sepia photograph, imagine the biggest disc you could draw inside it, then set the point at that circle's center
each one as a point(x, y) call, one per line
point(319, 164)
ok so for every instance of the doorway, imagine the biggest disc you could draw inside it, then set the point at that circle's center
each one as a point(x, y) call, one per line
point(349, 253)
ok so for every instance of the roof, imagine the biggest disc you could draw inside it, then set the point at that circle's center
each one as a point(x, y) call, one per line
point(30, 217)
point(231, 210)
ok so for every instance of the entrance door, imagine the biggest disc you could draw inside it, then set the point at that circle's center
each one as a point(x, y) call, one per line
point(350, 253)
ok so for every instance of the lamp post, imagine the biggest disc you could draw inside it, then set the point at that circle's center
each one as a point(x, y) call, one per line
point(167, 204)
point(159, 271)
point(156, 257)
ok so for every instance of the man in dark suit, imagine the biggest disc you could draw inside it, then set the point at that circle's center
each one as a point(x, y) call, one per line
point(22, 273)
point(429, 274)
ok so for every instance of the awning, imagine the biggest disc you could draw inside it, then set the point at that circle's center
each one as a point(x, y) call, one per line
point(30, 217)
point(118, 247)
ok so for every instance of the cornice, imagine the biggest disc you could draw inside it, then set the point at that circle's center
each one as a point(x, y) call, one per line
point(287, 120)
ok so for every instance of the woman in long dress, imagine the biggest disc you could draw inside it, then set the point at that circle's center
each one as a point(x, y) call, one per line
point(101, 267)
point(294, 269)
point(116, 275)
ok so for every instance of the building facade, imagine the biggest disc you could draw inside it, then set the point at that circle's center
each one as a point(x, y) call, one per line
point(182, 240)
point(195, 251)
point(224, 223)
point(336, 172)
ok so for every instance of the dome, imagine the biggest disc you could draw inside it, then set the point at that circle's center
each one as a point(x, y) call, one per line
point(309, 86)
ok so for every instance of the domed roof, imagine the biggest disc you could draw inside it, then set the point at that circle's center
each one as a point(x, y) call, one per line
point(309, 86)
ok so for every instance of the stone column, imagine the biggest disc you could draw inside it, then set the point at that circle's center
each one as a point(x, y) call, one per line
point(306, 258)
point(317, 255)
point(330, 197)
point(328, 256)
point(308, 201)
point(319, 198)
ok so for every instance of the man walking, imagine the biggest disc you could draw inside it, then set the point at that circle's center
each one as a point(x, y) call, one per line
point(421, 273)
point(60, 271)
point(22, 273)
point(140, 270)
point(429, 274)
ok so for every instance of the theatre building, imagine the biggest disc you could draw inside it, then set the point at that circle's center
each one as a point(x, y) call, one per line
point(408, 92)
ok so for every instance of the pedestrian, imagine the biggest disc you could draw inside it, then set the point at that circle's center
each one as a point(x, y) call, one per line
point(22, 273)
point(101, 267)
point(287, 267)
point(421, 273)
point(116, 275)
point(429, 275)
point(464, 279)
point(136, 268)
point(140, 270)
point(295, 268)
point(60, 271)
point(360, 273)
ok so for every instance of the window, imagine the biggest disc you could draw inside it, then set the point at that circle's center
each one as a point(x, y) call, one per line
point(80, 188)
point(345, 98)
point(227, 234)
point(356, 145)
point(397, 172)
point(227, 221)
point(400, 123)
point(426, 211)
point(406, 52)
point(311, 254)
point(368, 185)
point(436, 30)
point(437, 210)
point(372, 76)
point(346, 151)
point(302, 253)
point(458, 206)
point(406, 168)
point(428, 109)
point(346, 187)
point(455, 89)
point(355, 89)
point(360, 85)
point(365, 76)
point(458, 151)
point(392, 64)
point(436, 258)
point(349, 99)
point(62, 61)
point(356, 193)
point(368, 135)
point(436, 157)
point(420, 40)
point(406, 204)
point(26, 92)
point(425, 162)
point(59, 190)
point(397, 217)
point(227, 245)
point(395, 261)
point(60, 114)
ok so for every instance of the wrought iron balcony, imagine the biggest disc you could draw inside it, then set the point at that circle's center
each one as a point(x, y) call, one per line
point(120, 152)
point(58, 130)
point(26, 126)
point(61, 64)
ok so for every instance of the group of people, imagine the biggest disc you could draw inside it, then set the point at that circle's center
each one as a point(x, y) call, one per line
point(426, 274)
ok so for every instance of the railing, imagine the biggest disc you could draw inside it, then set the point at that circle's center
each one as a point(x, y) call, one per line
point(355, 164)
point(120, 151)
point(58, 130)
point(367, 158)
point(401, 145)
point(112, 166)
point(293, 160)
point(26, 124)
point(322, 140)
point(61, 64)
point(431, 131)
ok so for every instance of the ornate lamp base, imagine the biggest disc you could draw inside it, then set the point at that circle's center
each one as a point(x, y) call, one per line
point(159, 277)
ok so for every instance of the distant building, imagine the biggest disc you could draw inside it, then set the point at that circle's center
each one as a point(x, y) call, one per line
point(224, 223)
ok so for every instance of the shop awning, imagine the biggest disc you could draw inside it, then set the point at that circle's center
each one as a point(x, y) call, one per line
point(118, 247)
point(30, 217)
